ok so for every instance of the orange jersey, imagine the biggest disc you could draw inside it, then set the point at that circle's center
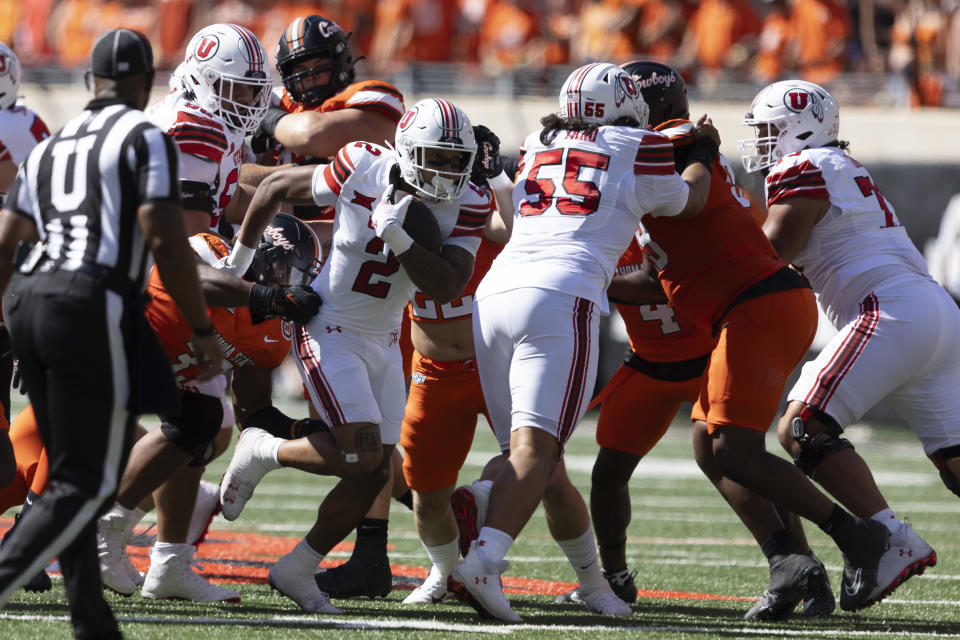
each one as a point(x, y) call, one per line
point(261, 346)
point(425, 309)
point(705, 261)
point(366, 95)
point(656, 331)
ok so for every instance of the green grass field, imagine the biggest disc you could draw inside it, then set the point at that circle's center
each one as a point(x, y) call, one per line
point(697, 561)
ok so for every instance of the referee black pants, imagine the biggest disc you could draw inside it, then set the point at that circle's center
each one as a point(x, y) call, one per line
point(68, 333)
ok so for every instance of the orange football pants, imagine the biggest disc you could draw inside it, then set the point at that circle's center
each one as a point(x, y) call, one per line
point(444, 401)
point(32, 465)
point(761, 341)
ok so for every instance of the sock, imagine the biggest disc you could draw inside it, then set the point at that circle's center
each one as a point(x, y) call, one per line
point(445, 556)
point(835, 520)
point(843, 528)
point(582, 554)
point(269, 450)
point(779, 544)
point(493, 544)
point(371, 538)
point(164, 550)
point(888, 518)
point(406, 499)
point(305, 556)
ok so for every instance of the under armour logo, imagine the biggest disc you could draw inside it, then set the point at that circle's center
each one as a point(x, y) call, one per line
point(332, 329)
point(394, 337)
point(481, 543)
point(362, 200)
point(480, 579)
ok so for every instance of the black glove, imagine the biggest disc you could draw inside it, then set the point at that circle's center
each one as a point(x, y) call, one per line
point(17, 380)
point(487, 163)
point(267, 130)
point(296, 302)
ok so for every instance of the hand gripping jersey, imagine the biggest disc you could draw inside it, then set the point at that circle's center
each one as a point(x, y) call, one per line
point(368, 95)
point(579, 200)
point(362, 283)
point(425, 309)
point(705, 261)
point(656, 331)
point(20, 131)
point(858, 244)
point(261, 346)
point(211, 152)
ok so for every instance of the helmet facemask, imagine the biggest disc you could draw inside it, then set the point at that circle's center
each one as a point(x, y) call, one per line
point(766, 149)
point(437, 170)
point(242, 102)
point(288, 254)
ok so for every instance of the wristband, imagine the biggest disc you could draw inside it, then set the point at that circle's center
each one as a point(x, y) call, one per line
point(500, 181)
point(398, 239)
point(241, 257)
point(206, 332)
point(705, 151)
point(261, 299)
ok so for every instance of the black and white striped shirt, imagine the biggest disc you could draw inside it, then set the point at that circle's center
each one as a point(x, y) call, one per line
point(82, 188)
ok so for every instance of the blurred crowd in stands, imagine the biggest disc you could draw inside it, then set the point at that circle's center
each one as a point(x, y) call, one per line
point(914, 42)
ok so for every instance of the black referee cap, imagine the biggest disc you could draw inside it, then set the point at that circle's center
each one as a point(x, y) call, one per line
point(120, 53)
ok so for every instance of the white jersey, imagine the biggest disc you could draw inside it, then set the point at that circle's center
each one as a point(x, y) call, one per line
point(211, 152)
point(20, 131)
point(362, 283)
point(577, 203)
point(859, 244)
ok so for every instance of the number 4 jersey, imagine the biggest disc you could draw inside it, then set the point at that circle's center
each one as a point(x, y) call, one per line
point(858, 244)
point(362, 283)
point(579, 200)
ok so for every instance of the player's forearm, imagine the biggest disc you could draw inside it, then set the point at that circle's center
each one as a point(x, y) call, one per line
point(221, 288)
point(636, 288)
point(181, 282)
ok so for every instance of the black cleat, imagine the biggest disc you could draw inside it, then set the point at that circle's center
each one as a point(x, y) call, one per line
point(861, 565)
point(357, 578)
point(793, 577)
point(819, 602)
point(622, 584)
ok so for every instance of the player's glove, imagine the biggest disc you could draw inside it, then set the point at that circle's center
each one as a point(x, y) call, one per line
point(260, 141)
point(297, 303)
point(488, 163)
point(388, 220)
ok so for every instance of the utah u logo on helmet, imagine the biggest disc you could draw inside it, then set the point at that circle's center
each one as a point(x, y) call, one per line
point(798, 100)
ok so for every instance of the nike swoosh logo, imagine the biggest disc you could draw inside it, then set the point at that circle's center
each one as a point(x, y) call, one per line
point(854, 586)
point(268, 339)
point(587, 566)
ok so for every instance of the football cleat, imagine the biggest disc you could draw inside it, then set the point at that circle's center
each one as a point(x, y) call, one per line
point(622, 584)
point(246, 469)
point(909, 555)
point(819, 601)
point(40, 582)
point(204, 509)
point(604, 601)
point(469, 504)
point(793, 577)
point(477, 582)
point(296, 582)
point(357, 577)
point(860, 568)
point(171, 577)
point(432, 591)
point(116, 570)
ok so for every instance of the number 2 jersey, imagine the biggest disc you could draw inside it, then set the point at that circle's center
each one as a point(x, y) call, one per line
point(361, 282)
point(261, 346)
point(858, 244)
point(578, 202)
point(211, 152)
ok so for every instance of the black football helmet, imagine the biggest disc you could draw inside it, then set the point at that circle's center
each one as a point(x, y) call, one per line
point(315, 38)
point(663, 90)
point(289, 253)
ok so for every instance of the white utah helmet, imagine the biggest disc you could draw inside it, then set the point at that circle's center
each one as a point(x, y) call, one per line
point(9, 76)
point(435, 124)
point(222, 61)
point(803, 115)
point(600, 93)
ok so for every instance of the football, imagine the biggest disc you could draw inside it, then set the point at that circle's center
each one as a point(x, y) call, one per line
point(422, 226)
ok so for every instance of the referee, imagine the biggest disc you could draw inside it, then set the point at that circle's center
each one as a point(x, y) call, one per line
point(101, 196)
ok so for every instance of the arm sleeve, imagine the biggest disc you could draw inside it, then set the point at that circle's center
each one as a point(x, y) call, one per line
point(661, 195)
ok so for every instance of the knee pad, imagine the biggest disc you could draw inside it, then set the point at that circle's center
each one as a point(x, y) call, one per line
point(197, 424)
point(814, 448)
point(940, 458)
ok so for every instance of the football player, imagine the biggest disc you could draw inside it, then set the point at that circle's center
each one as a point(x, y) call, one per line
point(899, 331)
point(248, 319)
point(219, 94)
point(20, 131)
point(662, 369)
point(586, 179)
point(349, 354)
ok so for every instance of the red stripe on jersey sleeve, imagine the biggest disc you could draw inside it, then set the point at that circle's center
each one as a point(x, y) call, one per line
point(801, 180)
point(200, 148)
point(331, 178)
point(460, 232)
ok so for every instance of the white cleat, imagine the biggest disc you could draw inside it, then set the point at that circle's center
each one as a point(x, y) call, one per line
point(604, 601)
point(204, 509)
point(173, 577)
point(246, 470)
point(116, 570)
point(432, 591)
point(297, 583)
point(477, 582)
point(909, 555)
